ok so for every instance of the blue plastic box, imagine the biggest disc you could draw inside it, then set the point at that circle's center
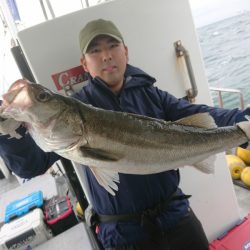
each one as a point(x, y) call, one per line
point(22, 206)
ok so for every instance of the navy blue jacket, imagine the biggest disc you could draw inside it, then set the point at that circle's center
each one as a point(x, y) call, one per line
point(136, 192)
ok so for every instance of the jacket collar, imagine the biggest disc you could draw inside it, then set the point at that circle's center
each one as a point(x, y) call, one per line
point(134, 77)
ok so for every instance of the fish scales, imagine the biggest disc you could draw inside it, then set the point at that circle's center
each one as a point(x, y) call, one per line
point(115, 142)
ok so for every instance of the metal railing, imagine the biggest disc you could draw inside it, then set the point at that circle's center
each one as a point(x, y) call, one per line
point(234, 91)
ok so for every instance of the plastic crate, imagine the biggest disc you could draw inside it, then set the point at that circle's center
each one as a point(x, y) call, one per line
point(59, 214)
point(25, 232)
point(237, 238)
point(22, 206)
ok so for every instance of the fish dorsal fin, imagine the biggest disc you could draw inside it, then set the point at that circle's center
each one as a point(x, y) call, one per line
point(106, 178)
point(200, 120)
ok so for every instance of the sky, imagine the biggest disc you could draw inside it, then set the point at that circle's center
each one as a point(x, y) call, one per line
point(209, 11)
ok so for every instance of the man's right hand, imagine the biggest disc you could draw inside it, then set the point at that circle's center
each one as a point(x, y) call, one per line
point(8, 126)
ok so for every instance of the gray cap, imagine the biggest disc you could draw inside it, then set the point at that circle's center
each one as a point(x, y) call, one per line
point(96, 28)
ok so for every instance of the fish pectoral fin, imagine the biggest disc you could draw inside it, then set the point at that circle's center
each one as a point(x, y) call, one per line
point(206, 166)
point(201, 120)
point(106, 178)
point(98, 154)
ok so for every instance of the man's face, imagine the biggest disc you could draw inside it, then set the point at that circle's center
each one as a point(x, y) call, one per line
point(106, 58)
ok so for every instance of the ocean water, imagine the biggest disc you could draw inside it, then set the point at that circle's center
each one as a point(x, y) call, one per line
point(225, 47)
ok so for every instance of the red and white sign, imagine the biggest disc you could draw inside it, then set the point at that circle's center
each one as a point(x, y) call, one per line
point(69, 77)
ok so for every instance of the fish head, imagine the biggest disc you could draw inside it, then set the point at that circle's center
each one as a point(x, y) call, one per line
point(51, 118)
point(30, 103)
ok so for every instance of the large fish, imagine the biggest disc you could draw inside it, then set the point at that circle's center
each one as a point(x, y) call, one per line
point(115, 142)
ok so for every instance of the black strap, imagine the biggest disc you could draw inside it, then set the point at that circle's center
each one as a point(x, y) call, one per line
point(146, 218)
point(148, 214)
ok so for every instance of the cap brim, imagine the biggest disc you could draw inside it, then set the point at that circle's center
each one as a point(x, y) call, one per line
point(98, 34)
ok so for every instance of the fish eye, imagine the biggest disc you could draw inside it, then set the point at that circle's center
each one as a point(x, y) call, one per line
point(43, 96)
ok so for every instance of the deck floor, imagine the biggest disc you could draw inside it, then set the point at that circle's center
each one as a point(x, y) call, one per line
point(8, 184)
point(243, 197)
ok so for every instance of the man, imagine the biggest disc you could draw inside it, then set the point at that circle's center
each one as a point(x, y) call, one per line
point(149, 212)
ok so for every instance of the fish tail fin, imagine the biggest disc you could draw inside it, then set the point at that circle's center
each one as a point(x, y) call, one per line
point(206, 166)
point(106, 178)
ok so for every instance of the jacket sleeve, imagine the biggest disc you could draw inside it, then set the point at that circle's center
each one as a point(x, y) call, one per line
point(178, 108)
point(24, 157)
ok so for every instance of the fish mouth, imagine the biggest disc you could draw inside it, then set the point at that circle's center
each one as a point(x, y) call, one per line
point(17, 102)
point(27, 118)
point(13, 91)
point(9, 97)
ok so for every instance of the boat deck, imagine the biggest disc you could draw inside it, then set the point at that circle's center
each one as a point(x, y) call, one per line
point(8, 184)
point(243, 197)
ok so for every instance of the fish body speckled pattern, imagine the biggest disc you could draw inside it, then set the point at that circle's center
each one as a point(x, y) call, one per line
point(111, 142)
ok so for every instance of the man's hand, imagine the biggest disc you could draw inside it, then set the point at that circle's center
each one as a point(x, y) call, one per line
point(8, 126)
